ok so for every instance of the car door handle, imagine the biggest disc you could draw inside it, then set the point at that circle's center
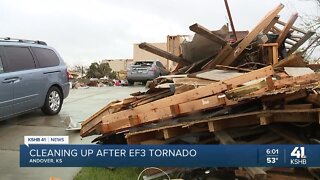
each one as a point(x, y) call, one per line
point(11, 80)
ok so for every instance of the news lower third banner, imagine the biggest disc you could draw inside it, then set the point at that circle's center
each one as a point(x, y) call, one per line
point(67, 155)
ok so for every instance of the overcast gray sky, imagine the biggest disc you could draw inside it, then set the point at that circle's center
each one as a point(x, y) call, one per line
point(84, 31)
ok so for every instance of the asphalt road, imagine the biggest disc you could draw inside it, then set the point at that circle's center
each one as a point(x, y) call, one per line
point(80, 104)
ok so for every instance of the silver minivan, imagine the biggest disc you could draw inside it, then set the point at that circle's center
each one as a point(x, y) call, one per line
point(32, 76)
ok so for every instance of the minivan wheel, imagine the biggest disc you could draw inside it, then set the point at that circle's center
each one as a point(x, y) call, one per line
point(53, 103)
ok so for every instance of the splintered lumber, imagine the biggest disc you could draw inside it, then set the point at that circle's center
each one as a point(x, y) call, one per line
point(207, 34)
point(286, 29)
point(190, 101)
point(301, 80)
point(301, 42)
point(162, 53)
point(252, 35)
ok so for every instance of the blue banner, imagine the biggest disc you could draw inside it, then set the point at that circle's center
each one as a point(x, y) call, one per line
point(170, 155)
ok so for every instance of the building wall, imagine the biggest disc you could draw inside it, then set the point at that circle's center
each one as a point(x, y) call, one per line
point(118, 65)
point(141, 55)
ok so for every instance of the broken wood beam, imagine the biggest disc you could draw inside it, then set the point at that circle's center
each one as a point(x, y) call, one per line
point(162, 53)
point(252, 35)
point(283, 34)
point(301, 42)
point(207, 34)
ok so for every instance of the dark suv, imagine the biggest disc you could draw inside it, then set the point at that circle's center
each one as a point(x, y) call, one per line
point(32, 76)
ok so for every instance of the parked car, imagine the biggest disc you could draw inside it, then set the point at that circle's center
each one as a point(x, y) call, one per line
point(32, 76)
point(124, 82)
point(143, 71)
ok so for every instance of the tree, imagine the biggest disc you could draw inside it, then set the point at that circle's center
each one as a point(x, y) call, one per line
point(97, 70)
point(312, 23)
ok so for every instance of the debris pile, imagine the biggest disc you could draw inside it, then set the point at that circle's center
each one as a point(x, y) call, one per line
point(253, 89)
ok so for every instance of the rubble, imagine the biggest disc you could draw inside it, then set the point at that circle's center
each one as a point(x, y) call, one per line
point(256, 90)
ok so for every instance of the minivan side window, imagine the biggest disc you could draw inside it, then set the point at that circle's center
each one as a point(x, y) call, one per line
point(1, 66)
point(19, 58)
point(46, 57)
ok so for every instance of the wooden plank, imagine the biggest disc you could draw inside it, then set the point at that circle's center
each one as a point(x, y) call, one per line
point(298, 106)
point(283, 132)
point(162, 53)
point(301, 42)
point(161, 106)
point(232, 68)
point(305, 79)
point(272, 23)
point(293, 27)
point(207, 34)
point(244, 90)
point(314, 99)
point(277, 29)
point(226, 50)
point(252, 35)
point(89, 124)
point(183, 88)
point(173, 132)
point(167, 112)
point(232, 123)
point(314, 66)
point(295, 117)
point(192, 81)
point(286, 29)
point(138, 138)
point(275, 54)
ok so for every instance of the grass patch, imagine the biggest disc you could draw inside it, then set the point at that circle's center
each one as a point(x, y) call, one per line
point(110, 174)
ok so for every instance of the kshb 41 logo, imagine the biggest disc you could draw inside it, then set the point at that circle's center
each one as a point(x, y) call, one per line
point(298, 156)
